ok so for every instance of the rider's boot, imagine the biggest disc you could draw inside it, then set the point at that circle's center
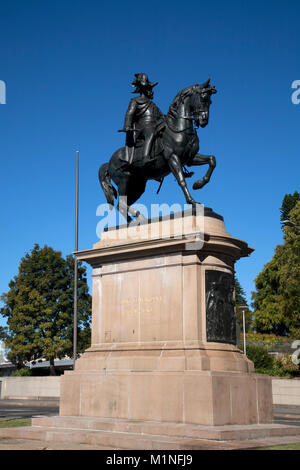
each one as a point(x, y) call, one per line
point(147, 148)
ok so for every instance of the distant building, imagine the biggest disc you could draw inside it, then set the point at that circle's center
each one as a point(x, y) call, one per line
point(6, 367)
point(3, 352)
point(38, 367)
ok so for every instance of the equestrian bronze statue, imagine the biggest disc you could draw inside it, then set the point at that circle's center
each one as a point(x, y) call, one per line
point(158, 144)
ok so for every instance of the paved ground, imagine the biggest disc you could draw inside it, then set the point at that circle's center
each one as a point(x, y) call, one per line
point(28, 408)
point(287, 415)
point(25, 408)
point(27, 444)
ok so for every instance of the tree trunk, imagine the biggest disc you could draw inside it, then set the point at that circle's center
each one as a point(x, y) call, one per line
point(52, 368)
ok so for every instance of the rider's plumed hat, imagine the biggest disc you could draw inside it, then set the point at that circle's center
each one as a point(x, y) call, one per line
point(142, 80)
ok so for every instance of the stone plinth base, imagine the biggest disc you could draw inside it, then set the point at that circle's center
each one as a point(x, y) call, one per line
point(151, 435)
point(164, 330)
point(163, 370)
point(194, 397)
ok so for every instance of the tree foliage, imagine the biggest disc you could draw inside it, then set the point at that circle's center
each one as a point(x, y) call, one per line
point(240, 294)
point(39, 307)
point(242, 305)
point(288, 203)
point(2, 333)
point(260, 357)
point(276, 301)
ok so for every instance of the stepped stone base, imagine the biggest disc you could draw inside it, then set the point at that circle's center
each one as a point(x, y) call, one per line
point(163, 329)
point(163, 370)
point(144, 435)
point(188, 397)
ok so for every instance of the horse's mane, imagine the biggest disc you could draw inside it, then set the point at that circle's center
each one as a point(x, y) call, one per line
point(180, 97)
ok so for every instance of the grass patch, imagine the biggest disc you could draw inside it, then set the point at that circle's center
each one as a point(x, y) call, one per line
point(295, 446)
point(14, 422)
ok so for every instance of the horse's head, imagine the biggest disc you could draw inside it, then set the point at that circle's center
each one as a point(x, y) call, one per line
point(200, 101)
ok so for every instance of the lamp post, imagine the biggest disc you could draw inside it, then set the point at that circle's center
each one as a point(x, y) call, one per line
point(244, 326)
point(75, 268)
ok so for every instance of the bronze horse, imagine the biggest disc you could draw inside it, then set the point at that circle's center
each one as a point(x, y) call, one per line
point(176, 147)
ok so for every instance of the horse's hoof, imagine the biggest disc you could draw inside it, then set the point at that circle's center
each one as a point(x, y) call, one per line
point(141, 218)
point(198, 184)
point(192, 202)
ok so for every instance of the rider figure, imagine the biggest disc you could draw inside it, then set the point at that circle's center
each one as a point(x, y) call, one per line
point(143, 118)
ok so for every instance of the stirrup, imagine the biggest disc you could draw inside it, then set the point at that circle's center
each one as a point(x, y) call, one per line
point(187, 174)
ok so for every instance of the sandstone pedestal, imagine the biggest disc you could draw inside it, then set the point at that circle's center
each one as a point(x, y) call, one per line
point(163, 371)
point(161, 351)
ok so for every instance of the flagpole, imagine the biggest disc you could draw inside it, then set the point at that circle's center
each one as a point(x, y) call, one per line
point(75, 266)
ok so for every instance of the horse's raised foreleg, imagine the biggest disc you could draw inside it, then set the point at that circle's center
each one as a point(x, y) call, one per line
point(176, 169)
point(199, 160)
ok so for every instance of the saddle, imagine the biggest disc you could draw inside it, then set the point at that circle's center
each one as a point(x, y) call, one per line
point(134, 147)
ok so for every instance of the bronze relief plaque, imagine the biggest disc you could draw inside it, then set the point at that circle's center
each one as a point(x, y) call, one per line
point(220, 314)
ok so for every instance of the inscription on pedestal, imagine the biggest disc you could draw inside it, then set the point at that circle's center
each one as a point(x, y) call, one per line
point(140, 304)
point(220, 315)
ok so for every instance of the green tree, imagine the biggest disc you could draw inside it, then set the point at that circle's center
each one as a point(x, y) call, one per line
point(242, 304)
point(240, 294)
point(39, 307)
point(288, 203)
point(290, 274)
point(2, 333)
point(260, 357)
point(276, 301)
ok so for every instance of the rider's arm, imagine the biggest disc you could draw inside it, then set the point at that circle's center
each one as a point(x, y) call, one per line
point(128, 123)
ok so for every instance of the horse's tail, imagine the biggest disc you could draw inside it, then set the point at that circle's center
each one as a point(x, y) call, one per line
point(108, 189)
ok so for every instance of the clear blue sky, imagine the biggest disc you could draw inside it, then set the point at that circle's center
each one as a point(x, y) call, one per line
point(68, 67)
